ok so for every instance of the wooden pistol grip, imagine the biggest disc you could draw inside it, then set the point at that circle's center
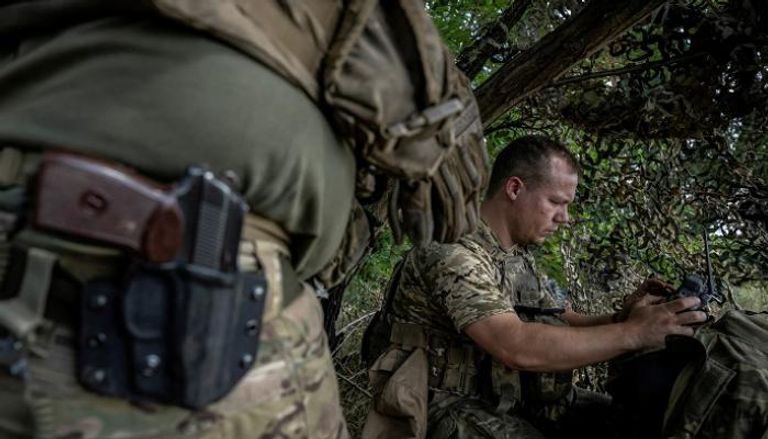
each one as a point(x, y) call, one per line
point(105, 202)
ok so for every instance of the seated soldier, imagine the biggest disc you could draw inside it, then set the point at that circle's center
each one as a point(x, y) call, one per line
point(219, 335)
point(471, 321)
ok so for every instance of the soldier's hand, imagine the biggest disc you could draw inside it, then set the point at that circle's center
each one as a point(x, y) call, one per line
point(655, 288)
point(650, 322)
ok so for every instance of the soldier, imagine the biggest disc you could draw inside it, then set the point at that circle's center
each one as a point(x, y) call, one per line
point(477, 346)
point(135, 289)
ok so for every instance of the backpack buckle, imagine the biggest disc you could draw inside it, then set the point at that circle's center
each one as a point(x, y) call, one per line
point(430, 116)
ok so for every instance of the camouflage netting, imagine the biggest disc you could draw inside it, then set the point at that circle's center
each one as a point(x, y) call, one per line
point(668, 121)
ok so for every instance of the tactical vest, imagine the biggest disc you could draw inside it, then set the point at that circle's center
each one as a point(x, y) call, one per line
point(454, 366)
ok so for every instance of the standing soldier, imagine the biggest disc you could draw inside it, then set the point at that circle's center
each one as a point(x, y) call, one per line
point(139, 297)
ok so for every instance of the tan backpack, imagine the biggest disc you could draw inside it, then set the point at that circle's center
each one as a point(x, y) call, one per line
point(392, 89)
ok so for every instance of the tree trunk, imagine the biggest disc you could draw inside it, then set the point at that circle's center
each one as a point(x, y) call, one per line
point(597, 24)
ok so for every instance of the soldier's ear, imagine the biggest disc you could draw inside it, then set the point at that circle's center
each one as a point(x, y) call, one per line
point(512, 187)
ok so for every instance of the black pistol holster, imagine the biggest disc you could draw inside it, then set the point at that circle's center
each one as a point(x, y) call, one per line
point(182, 325)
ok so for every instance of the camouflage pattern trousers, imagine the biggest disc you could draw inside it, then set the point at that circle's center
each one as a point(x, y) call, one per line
point(291, 392)
point(588, 414)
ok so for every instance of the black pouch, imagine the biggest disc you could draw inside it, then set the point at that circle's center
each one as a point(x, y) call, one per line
point(184, 332)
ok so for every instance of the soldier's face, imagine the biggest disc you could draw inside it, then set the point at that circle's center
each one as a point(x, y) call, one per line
point(540, 210)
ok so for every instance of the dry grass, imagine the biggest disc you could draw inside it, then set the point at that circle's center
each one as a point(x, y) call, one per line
point(352, 373)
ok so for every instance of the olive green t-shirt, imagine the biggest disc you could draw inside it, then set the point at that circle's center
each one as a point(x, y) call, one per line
point(157, 96)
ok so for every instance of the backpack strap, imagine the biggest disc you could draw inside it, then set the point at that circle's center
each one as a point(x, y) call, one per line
point(351, 25)
point(377, 334)
point(431, 47)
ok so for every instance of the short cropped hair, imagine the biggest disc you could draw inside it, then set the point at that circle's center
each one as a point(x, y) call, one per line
point(528, 158)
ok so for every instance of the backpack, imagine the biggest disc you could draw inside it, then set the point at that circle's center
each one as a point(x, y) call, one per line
point(389, 85)
point(708, 386)
point(725, 394)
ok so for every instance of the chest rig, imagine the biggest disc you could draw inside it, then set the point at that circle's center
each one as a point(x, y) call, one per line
point(458, 368)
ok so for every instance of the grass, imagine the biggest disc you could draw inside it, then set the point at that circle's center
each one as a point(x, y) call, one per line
point(363, 297)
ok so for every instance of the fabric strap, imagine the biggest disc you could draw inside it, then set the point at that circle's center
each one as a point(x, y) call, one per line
point(16, 166)
point(264, 244)
point(22, 314)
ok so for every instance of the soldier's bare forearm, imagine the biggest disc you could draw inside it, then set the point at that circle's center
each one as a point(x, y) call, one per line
point(578, 319)
point(539, 347)
point(546, 348)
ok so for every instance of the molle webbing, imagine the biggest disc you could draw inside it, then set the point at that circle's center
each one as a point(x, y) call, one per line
point(453, 364)
point(23, 314)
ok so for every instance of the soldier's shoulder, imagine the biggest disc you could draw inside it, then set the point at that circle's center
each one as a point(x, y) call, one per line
point(455, 253)
point(439, 261)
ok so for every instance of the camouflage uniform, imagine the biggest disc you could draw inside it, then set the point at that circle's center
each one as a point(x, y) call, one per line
point(155, 95)
point(449, 286)
point(442, 288)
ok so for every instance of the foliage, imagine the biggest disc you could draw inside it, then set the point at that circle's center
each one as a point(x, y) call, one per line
point(364, 296)
point(668, 122)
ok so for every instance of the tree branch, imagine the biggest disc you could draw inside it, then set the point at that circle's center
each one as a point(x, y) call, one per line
point(517, 124)
point(472, 59)
point(355, 385)
point(629, 69)
point(596, 25)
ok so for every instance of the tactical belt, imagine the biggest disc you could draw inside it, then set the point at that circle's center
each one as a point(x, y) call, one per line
point(460, 368)
point(165, 315)
point(453, 365)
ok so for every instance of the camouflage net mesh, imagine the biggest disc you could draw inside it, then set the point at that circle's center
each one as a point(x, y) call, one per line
point(669, 123)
